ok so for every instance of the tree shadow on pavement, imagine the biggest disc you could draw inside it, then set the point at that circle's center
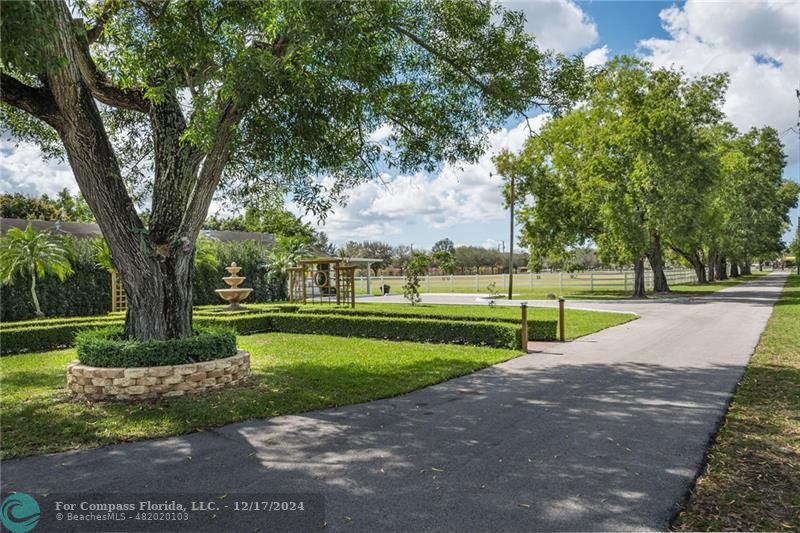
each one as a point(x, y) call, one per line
point(512, 447)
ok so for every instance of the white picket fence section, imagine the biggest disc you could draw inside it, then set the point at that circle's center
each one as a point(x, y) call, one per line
point(557, 282)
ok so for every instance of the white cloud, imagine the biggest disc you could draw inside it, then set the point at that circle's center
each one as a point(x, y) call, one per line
point(758, 43)
point(557, 24)
point(465, 193)
point(23, 170)
point(597, 57)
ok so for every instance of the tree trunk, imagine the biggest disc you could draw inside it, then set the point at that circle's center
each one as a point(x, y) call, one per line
point(695, 258)
point(712, 266)
point(36, 309)
point(734, 269)
point(655, 257)
point(747, 267)
point(638, 279)
point(722, 268)
point(154, 264)
point(160, 298)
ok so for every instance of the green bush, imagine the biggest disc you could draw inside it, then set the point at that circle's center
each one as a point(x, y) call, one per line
point(43, 337)
point(243, 324)
point(396, 328)
point(106, 347)
point(539, 330)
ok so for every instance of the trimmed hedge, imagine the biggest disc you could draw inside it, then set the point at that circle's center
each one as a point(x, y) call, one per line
point(106, 347)
point(43, 335)
point(497, 334)
point(539, 330)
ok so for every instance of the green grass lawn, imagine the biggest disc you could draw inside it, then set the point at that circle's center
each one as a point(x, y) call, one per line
point(752, 480)
point(291, 374)
point(577, 322)
point(606, 285)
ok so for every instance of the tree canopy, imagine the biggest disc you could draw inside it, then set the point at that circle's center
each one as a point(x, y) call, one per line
point(166, 102)
point(647, 165)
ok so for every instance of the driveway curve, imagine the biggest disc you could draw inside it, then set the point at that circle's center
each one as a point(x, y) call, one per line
point(603, 433)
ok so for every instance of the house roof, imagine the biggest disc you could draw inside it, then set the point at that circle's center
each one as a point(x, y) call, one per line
point(81, 230)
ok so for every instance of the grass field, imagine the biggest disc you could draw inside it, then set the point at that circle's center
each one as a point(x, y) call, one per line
point(752, 480)
point(291, 374)
point(583, 285)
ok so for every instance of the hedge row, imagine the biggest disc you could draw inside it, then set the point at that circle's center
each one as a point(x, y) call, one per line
point(47, 335)
point(43, 335)
point(543, 329)
point(106, 347)
point(497, 334)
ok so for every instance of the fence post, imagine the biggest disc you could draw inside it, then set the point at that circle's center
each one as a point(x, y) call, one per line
point(626, 281)
point(524, 312)
point(561, 319)
point(591, 281)
point(561, 280)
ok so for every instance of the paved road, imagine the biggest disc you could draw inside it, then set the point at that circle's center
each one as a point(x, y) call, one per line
point(604, 433)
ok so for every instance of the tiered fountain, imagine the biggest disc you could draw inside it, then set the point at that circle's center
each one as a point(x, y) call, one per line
point(234, 294)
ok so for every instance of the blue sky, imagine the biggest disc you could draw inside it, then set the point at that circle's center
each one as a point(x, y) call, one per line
point(757, 42)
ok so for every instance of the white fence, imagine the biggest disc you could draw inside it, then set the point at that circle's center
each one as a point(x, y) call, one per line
point(528, 282)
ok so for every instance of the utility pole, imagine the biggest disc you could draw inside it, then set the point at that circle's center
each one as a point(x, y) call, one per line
point(511, 245)
point(797, 237)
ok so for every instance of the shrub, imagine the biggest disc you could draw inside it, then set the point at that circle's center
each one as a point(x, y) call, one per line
point(43, 337)
point(539, 330)
point(106, 347)
point(497, 334)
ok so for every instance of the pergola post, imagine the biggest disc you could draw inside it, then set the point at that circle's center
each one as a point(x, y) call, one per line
point(369, 279)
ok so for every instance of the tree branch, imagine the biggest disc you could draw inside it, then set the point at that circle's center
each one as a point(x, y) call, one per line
point(34, 100)
point(99, 84)
point(93, 34)
point(450, 61)
point(209, 175)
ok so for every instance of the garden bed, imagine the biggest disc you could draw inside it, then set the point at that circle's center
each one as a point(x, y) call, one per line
point(93, 383)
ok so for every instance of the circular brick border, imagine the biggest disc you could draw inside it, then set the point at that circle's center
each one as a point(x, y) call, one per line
point(148, 382)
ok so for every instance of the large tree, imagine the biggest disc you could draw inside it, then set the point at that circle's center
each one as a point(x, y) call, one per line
point(625, 170)
point(167, 101)
point(745, 211)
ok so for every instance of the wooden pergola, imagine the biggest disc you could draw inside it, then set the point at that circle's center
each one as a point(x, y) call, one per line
point(323, 280)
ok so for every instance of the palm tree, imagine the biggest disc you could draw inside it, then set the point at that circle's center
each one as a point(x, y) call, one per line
point(284, 254)
point(35, 254)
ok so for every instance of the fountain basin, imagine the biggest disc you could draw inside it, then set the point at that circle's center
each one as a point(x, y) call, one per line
point(233, 296)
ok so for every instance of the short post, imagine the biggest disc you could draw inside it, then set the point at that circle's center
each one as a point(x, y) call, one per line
point(561, 335)
point(524, 317)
